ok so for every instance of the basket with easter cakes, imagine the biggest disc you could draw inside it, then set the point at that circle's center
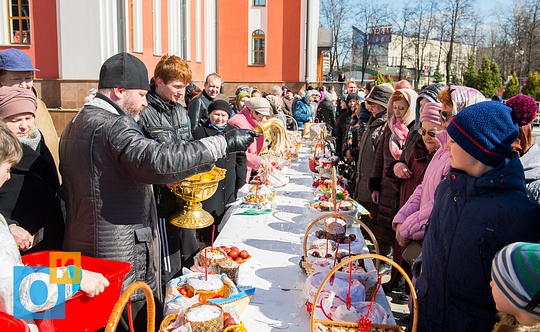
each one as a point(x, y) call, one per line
point(272, 171)
point(331, 195)
point(327, 242)
point(220, 259)
point(259, 197)
point(204, 301)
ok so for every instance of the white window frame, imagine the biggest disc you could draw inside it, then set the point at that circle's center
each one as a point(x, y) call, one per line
point(158, 50)
point(137, 26)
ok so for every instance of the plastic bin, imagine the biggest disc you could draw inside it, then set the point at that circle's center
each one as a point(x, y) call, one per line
point(82, 312)
point(8, 323)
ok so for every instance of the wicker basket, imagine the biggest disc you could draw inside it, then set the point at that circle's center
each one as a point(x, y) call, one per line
point(350, 326)
point(121, 303)
point(212, 325)
point(344, 217)
point(319, 148)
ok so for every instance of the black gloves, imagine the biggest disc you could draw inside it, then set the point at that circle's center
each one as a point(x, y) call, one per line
point(239, 139)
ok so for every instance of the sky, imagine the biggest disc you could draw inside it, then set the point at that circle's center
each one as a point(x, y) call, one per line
point(484, 5)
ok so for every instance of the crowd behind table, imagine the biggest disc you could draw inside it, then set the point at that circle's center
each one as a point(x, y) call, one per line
point(481, 197)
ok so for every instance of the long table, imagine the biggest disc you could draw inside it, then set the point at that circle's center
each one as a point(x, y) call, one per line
point(274, 242)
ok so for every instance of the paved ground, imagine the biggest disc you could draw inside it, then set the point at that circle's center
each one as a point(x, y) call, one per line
point(399, 310)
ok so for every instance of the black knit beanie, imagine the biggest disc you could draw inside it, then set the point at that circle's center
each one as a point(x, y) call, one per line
point(123, 70)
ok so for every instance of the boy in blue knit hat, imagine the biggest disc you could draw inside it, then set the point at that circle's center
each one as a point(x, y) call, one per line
point(478, 209)
point(516, 286)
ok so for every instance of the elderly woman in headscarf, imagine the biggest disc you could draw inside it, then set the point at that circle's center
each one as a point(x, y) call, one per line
point(402, 105)
point(31, 200)
point(240, 100)
point(304, 110)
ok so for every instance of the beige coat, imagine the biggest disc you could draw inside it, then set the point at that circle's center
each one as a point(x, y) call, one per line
point(45, 125)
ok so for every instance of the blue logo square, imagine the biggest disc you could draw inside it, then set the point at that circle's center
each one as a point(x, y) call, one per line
point(32, 289)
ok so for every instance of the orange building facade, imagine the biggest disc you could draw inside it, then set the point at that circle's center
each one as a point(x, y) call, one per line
point(254, 42)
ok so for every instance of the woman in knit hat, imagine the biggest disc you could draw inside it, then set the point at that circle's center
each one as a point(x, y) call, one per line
point(524, 109)
point(31, 200)
point(377, 105)
point(219, 112)
point(516, 287)
point(478, 209)
point(18, 287)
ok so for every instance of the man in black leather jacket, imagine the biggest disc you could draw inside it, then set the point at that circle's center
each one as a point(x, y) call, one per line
point(198, 106)
point(107, 167)
point(166, 121)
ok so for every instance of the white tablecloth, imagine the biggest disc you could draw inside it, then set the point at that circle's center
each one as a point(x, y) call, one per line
point(275, 243)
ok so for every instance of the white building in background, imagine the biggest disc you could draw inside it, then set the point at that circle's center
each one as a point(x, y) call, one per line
point(386, 53)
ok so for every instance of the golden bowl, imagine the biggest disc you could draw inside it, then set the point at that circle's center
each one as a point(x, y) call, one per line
point(193, 191)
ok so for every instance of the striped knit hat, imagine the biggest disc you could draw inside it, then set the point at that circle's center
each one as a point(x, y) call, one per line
point(485, 130)
point(516, 273)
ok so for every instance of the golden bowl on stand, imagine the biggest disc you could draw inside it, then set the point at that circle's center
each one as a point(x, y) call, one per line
point(193, 191)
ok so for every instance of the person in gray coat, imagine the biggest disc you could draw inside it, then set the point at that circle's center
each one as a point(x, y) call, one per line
point(108, 166)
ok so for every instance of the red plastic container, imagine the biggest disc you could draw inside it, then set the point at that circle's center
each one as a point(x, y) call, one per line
point(82, 312)
point(8, 323)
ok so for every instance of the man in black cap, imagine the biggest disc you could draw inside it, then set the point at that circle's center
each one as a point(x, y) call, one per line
point(108, 165)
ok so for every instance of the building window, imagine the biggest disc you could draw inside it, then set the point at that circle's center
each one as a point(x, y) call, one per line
point(136, 26)
point(19, 21)
point(259, 2)
point(157, 28)
point(257, 47)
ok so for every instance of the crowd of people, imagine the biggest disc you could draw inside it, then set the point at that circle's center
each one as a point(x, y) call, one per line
point(441, 168)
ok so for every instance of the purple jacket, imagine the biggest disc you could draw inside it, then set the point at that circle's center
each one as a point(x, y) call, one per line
point(415, 213)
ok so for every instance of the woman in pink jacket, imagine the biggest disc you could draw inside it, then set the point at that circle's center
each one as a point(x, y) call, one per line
point(411, 219)
point(255, 110)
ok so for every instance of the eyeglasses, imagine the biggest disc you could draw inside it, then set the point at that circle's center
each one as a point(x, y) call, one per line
point(444, 115)
point(431, 133)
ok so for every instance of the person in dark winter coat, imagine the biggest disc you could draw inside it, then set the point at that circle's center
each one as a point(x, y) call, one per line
point(198, 106)
point(342, 125)
point(108, 166)
point(32, 199)
point(377, 104)
point(524, 109)
point(326, 111)
point(479, 208)
point(190, 88)
point(235, 165)
point(166, 121)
